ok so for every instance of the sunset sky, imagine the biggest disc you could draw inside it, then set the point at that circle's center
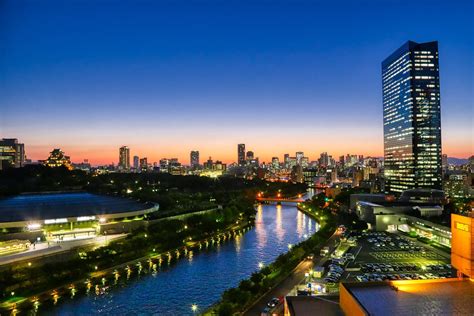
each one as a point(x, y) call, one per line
point(169, 77)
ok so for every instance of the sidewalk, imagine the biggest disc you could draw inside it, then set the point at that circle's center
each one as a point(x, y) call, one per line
point(43, 249)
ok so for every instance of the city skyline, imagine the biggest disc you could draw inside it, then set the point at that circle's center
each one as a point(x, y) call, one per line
point(220, 87)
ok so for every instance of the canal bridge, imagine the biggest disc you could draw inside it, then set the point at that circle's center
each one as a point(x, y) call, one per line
point(279, 200)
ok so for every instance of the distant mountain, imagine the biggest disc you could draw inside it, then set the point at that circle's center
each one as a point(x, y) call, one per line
point(457, 161)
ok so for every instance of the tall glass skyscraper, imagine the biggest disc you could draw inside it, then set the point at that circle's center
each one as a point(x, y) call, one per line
point(194, 158)
point(411, 118)
point(241, 154)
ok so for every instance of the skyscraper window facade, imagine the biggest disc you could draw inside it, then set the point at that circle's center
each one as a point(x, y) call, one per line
point(194, 159)
point(124, 158)
point(241, 154)
point(12, 153)
point(411, 118)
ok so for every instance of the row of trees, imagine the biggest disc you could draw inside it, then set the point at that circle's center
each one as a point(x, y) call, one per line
point(237, 299)
point(330, 213)
point(159, 237)
point(232, 198)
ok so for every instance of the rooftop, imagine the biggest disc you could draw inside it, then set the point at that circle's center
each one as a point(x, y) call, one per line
point(57, 205)
point(308, 305)
point(431, 297)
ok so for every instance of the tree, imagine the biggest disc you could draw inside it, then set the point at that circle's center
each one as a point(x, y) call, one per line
point(225, 309)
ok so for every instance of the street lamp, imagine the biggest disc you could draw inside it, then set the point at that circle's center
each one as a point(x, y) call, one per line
point(194, 308)
point(290, 246)
point(260, 265)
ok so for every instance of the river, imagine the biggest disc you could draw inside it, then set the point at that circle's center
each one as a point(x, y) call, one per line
point(201, 278)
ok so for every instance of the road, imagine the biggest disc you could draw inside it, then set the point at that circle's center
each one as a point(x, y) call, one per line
point(295, 278)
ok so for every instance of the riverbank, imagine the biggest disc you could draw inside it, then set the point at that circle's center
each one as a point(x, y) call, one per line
point(103, 280)
point(250, 291)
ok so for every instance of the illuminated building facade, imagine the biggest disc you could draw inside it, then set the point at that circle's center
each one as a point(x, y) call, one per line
point(57, 158)
point(144, 164)
point(241, 154)
point(462, 249)
point(12, 153)
point(275, 163)
point(299, 157)
point(411, 117)
point(249, 155)
point(136, 162)
point(124, 158)
point(194, 159)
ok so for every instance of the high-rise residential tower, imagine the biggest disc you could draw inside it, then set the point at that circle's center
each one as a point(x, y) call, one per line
point(136, 163)
point(194, 159)
point(299, 157)
point(241, 154)
point(124, 158)
point(411, 118)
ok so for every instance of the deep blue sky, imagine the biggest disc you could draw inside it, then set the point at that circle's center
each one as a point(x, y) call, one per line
point(165, 78)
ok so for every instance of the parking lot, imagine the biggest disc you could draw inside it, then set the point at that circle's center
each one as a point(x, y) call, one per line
point(375, 256)
point(382, 256)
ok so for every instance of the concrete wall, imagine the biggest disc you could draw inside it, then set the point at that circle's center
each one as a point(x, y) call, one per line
point(462, 244)
point(349, 304)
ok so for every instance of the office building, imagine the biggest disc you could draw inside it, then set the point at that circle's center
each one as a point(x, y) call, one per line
point(144, 164)
point(286, 160)
point(275, 163)
point(209, 164)
point(124, 158)
point(136, 162)
point(249, 155)
point(194, 159)
point(299, 156)
point(12, 153)
point(324, 159)
point(411, 117)
point(241, 154)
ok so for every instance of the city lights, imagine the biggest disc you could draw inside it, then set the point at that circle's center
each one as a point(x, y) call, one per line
point(229, 132)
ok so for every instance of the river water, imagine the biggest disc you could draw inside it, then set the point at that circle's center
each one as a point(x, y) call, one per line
point(199, 279)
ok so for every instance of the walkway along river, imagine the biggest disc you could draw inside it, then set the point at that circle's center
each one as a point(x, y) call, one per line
point(198, 280)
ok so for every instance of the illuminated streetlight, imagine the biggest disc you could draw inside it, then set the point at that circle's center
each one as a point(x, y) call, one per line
point(290, 246)
point(260, 265)
point(194, 308)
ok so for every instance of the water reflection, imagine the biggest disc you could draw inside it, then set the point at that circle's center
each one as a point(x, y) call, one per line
point(201, 276)
point(260, 227)
point(299, 223)
point(280, 232)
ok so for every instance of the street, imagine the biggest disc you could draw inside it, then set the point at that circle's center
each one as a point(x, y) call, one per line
point(295, 278)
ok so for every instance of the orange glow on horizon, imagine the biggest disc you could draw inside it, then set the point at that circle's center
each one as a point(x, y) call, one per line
point(104, 154)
